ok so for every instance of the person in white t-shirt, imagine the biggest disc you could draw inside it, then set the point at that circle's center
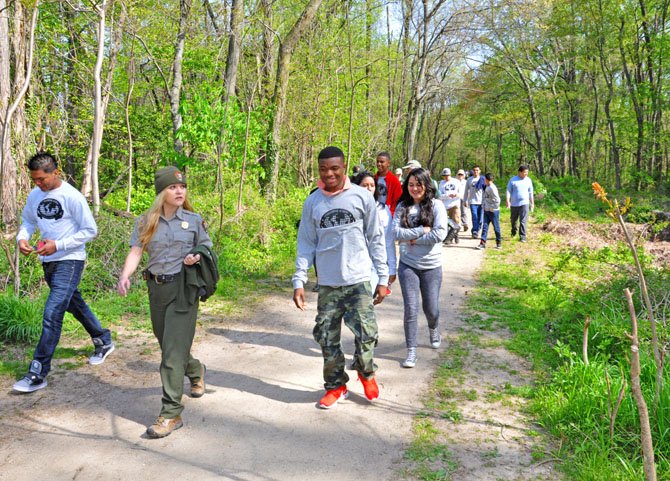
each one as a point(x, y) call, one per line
point(450, 193)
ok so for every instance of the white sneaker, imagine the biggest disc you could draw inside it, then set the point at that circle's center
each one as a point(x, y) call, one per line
point(411, 358)
point(435, 338)
point(30, 383)
point(101, 353)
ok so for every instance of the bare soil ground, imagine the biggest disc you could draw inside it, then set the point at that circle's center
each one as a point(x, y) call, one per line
point(597, 236)
point(259, 420)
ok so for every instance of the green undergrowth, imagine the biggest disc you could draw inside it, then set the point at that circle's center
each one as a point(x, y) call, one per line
point(256, 250)
point(543, 292)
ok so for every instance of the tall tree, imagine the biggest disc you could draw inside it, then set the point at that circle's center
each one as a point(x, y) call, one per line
point(286, 49)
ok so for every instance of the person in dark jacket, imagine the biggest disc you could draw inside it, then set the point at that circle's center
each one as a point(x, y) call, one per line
point(169, 232)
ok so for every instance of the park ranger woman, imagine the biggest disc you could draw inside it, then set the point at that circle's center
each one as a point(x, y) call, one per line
point(176, 241)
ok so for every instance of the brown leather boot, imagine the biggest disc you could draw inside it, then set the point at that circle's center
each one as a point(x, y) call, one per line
point(198, 387)
point(164, 426)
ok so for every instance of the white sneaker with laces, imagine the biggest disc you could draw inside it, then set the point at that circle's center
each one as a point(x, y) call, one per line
point(410, 361)
point(435, 338)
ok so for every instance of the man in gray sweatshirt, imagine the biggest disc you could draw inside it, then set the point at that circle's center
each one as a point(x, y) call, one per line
point(339, 231)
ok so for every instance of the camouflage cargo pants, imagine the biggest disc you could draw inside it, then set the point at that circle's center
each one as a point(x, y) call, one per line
point(354, 305)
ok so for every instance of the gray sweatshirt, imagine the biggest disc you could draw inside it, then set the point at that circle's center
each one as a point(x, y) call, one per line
point(426, 253)
point(491, 199)
point(473, 195)
point(342, 234)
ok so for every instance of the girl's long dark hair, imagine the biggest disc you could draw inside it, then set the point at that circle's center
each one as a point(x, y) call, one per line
point(425, 217)
point(358, 178)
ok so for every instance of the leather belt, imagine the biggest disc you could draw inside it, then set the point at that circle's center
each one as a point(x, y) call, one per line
point(159, 278)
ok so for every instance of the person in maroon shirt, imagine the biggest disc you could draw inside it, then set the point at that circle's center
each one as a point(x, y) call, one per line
point(390, 188)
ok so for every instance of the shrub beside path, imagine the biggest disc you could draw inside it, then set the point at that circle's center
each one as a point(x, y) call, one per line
point(258, 419)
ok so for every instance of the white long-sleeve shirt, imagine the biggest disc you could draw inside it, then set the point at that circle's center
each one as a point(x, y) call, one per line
point(62, 215)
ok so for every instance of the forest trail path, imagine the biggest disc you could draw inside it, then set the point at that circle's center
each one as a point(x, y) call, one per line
point(258, 419)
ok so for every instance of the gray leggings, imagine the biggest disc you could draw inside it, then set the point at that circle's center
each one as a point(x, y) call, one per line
point(427, 283)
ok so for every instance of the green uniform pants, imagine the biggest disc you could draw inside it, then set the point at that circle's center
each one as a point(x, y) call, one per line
point(354, 304)
point(174, 331)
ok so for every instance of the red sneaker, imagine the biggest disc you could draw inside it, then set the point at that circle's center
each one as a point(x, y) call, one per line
point(370, 387)
point(332, 396)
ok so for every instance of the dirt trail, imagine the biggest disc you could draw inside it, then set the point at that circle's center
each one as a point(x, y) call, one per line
point(258, 420)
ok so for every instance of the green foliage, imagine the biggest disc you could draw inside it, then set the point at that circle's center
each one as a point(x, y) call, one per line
point(571, 198)
point(432, 460)
point(20, 320)
point(543, 296)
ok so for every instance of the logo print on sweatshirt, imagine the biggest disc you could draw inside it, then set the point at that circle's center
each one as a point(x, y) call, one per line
point(336, 217)
point(50, 209)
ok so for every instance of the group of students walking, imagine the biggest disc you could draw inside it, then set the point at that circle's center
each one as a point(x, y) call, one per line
point(350, 237)
point(348, 230)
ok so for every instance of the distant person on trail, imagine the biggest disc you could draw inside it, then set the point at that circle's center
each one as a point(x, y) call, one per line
point(398, 174)
point(491, 206)
point(340, 231)
point(389, 186)
point(474, 189)
point(61, 214)
point(520, 201)
point(449, 192)
point(410, 166)
point(460, 177)
point(420, 226)
point(181, 270)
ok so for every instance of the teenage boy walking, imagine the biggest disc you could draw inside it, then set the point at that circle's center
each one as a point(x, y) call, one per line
point(520, 201)
point(340, 232)
point(61, 214)
point(388, 184)
point(491, 207)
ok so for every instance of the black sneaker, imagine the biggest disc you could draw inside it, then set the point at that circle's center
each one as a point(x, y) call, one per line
point(101, 352)
point(30, 383)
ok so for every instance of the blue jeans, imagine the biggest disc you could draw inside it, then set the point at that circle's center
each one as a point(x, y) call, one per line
point(427, 283)
point(63, 278)
point(491, 218)
point(476, 211)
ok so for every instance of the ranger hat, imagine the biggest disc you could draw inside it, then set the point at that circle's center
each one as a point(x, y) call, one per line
point(167, 176)
point(412, 164)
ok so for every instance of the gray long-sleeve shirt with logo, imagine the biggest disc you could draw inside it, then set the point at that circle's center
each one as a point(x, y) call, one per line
point(426, 252)
point(343, 235)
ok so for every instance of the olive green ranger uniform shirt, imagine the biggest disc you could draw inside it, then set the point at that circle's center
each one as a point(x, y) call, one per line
point(172, 241)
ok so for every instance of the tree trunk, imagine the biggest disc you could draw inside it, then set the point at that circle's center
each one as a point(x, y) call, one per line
point(234, 49)
point(177, 76)
point(281, 90)
point(416, 100)
point(91, 184)
point(8, 207)
point(537, 129)
point(22, 42)
point(637, 103)
point(268, 55)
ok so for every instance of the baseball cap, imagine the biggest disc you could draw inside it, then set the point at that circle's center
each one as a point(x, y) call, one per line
point(413, 164)
point(460, 172)
point(398, 171)
point(446, 171)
